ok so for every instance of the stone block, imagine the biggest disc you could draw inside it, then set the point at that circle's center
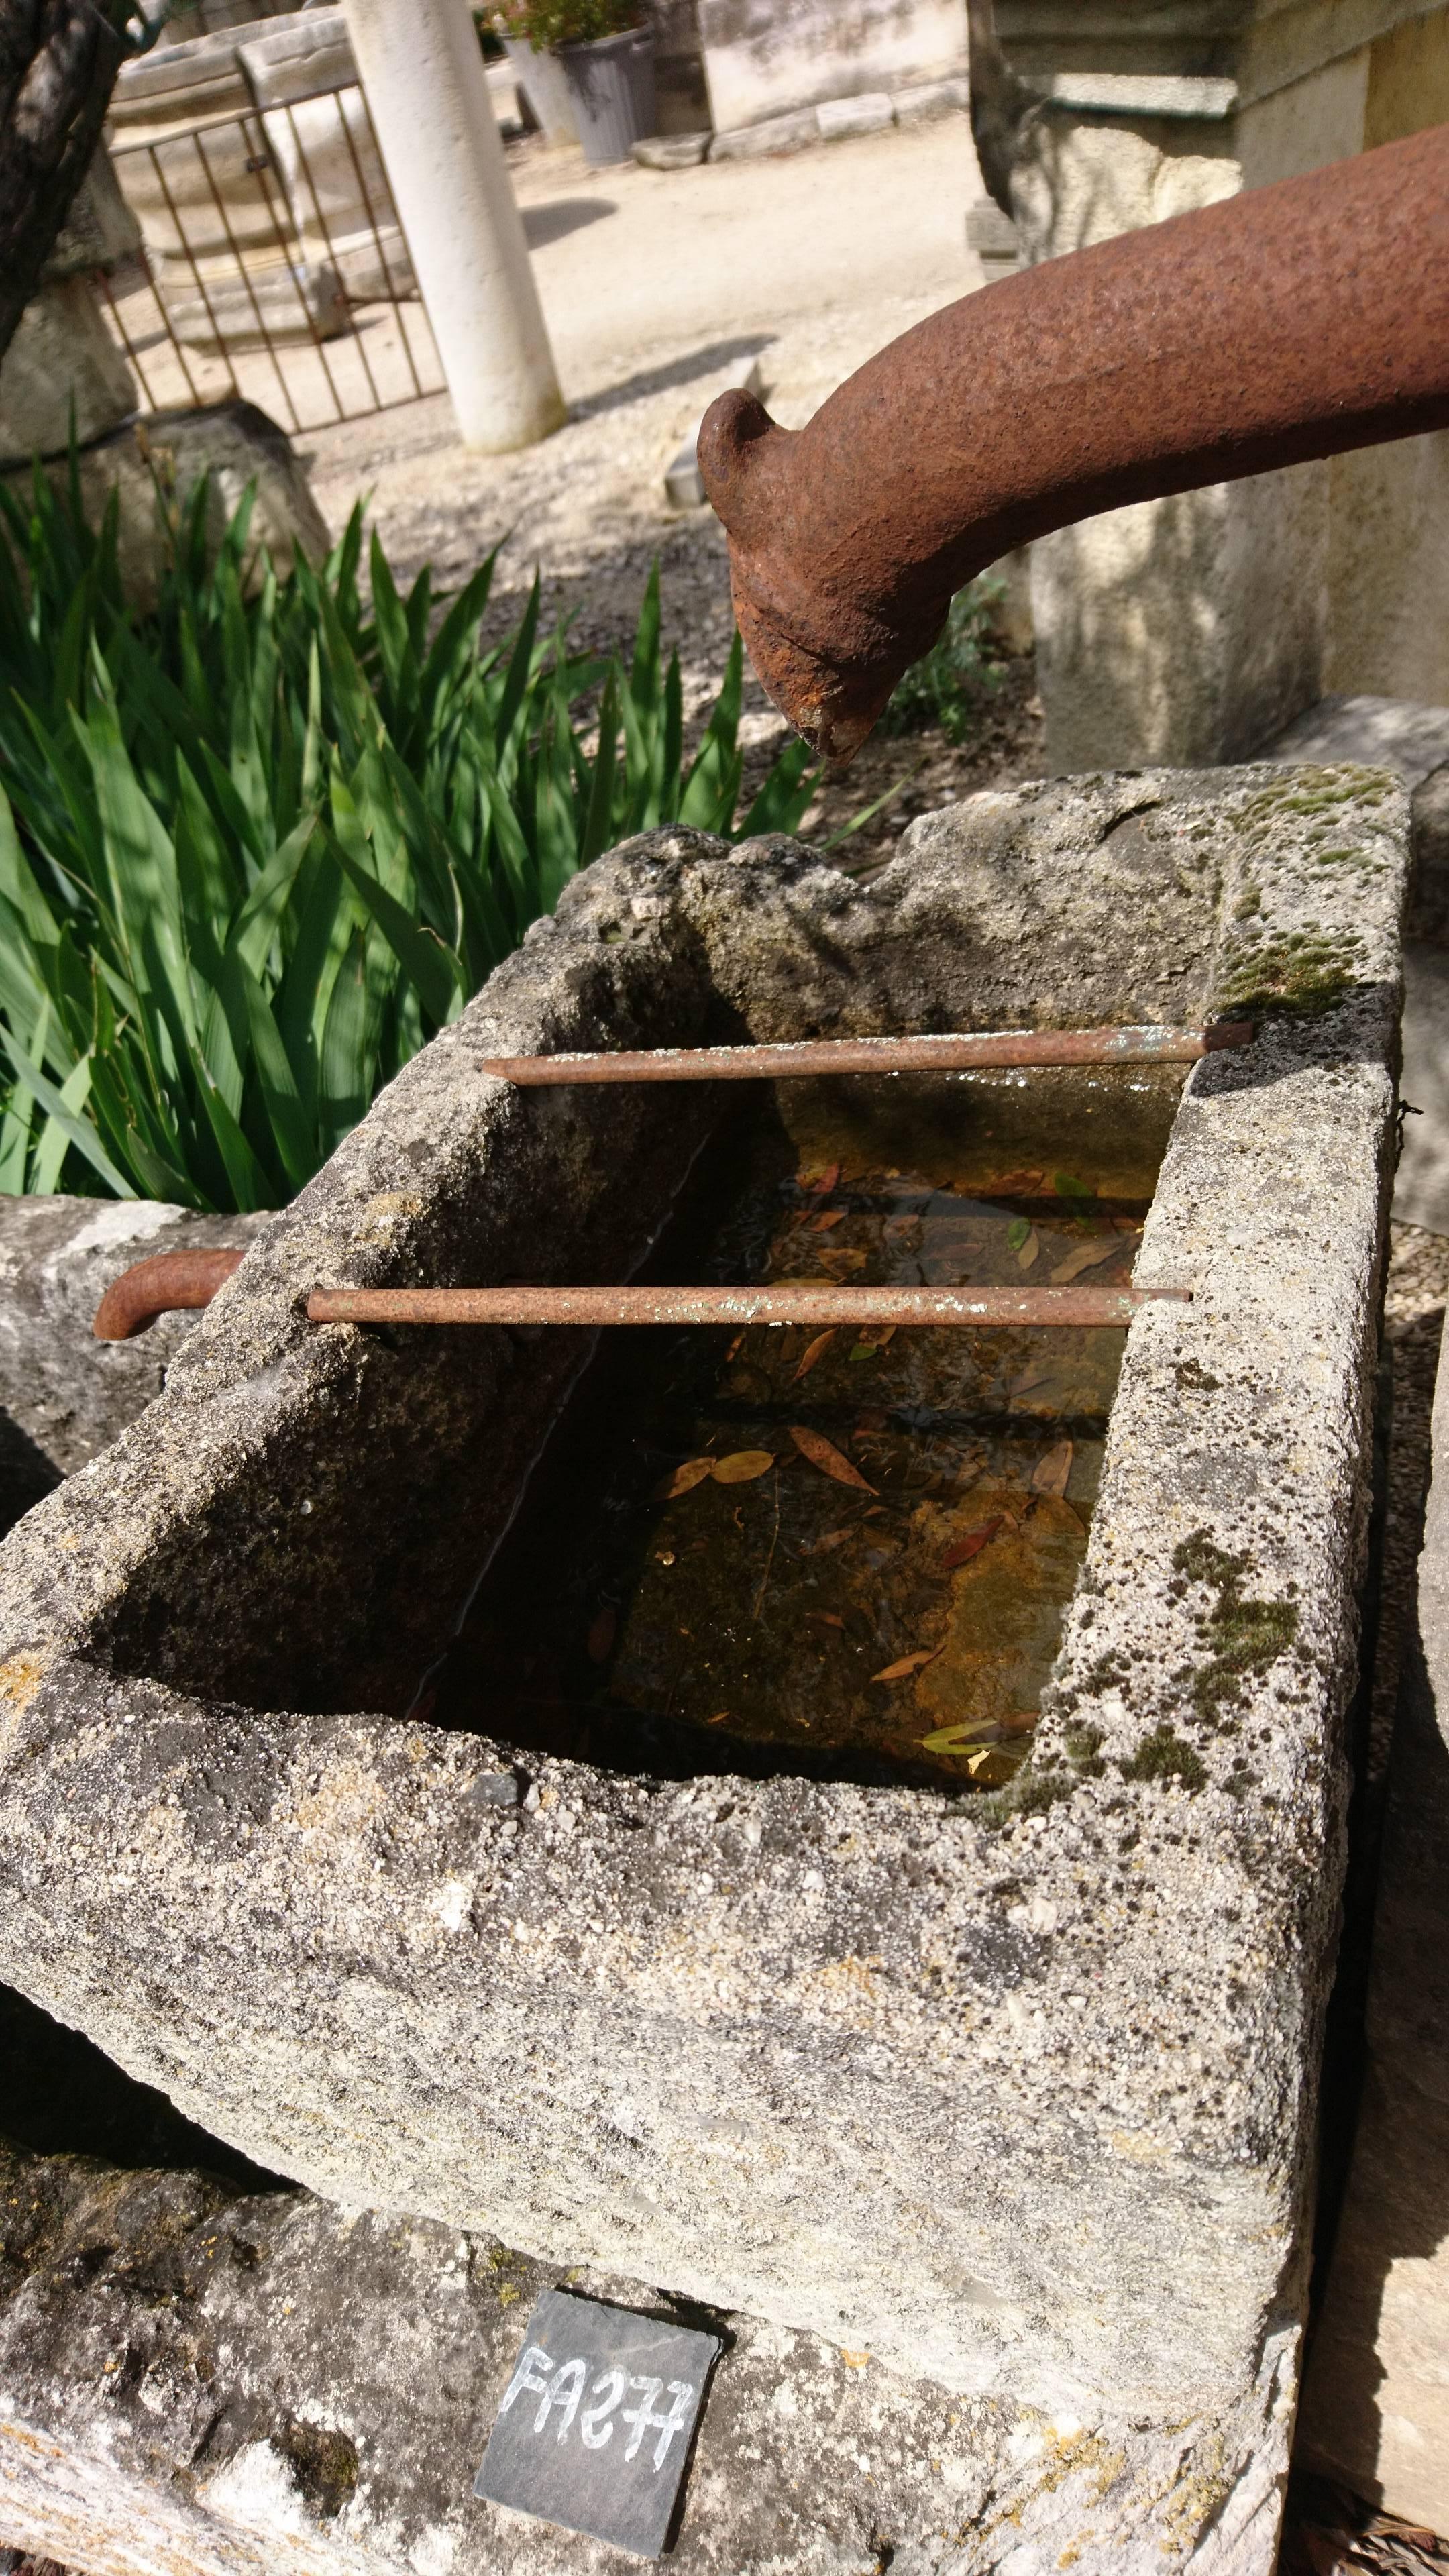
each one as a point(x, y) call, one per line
point(924, 101)
point(237, 445)
point(61, 376)
point(1376, 2398)
point(671, 151)
point(774, 134)
point(1018, 2098)
point(319, 134)
point(64, 1396)
point(309, 2388)
point(870, 113)
point(763, 58)
point(993, 237)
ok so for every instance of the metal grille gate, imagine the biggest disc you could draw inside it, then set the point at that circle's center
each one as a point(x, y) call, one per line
point(274, 268)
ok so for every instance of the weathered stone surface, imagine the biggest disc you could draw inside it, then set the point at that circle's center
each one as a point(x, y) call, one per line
point(197, 2380)
point(61, 362)
point(870, 113)
point(1188, 628)
point(63, 1395)
point(237, 445)
point(765, 58)
point(1376, 2398)
point(773, 134)
point(1018, 2096)
point(1414, 742)
point(923, 101)
point(671, 151)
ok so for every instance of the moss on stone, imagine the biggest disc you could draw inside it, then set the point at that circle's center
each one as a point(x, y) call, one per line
point(1165, 1755)
point(1245, 1635)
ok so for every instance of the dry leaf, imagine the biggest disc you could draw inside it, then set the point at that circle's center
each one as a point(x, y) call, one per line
point(822, 1453)
point(1007, 1185)
point(827, 1617)
point(719, 1719)
point(603, 1631)
point(843, 1260)
point(907, 1664)
point(734, 1346)
point(823, 1224)
point(964, 1737)
point(683, 1480)
point(816, 1351)
point(821, 1183)
point(1050, 1474)
point(962, 1550)
point(1029, 1250)
point(823, 1546)
point(742, 1466)
point(1085, 1257)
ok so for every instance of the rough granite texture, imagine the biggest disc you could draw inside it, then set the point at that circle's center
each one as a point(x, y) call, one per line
point(1018, 2094)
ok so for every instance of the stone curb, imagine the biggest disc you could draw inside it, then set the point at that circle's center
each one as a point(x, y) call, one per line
point(837, 118)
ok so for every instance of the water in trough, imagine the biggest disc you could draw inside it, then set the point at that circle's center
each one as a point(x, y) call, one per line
point(843, 1553)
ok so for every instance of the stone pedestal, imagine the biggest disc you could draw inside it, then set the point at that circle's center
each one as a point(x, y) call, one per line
point(323, 149)
point(1193, 628)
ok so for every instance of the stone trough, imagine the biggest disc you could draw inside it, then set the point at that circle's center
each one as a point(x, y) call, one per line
point(1015, 2093)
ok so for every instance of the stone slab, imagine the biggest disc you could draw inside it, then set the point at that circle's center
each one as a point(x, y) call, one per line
point(64, 1396)
point(869, 113)
point(1413, 741)
point(61, 365)
point(1017, 2096)
point(1376, 2399)
point(200, 2379)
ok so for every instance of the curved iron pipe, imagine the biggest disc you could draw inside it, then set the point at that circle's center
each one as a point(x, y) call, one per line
point(159, 1286)
point(1284, 323)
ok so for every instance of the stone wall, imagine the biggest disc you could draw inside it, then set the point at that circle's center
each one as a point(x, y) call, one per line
point(1194, 628)
point(763, 58)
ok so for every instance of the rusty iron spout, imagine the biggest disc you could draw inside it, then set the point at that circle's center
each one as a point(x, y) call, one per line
point(166, 1284)
point(1285, 323)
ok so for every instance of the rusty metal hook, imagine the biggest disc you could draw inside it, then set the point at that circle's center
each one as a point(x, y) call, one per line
point(159, 1286)
point(1285, 323)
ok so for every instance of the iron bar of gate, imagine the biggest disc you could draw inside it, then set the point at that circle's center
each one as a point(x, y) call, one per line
point(203, 291)
point(326, 231)
point(399, 302)
point(736, 1306)
point(287, 236)
point(956, 1051)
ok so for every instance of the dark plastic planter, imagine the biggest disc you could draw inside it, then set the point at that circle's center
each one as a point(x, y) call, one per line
point(611, 84)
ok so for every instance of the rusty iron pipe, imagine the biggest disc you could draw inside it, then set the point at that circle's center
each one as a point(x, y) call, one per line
point(160, 1286)
point(959, 1051)
point(1284, 323)
point(726, 1305)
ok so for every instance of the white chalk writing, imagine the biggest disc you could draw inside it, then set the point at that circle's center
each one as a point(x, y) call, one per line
point(563, 2387)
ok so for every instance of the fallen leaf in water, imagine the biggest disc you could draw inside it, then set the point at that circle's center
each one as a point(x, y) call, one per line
point(863, 1351)
point(823, 1546)
point(827, 1617)
point(1029, 1250)
point(823, 1224)
point(742, 1466)
point(1006, 1185)
point(1050, 1474)
point(1067, 1187)
point(1017, 1232)
point(961, 1738)
point(682, 1480)
point(1085, 1257)
point(962, 1550)
point(718, 1719)
point(820, 1184)
point(897, 1671)
point(845, 1259)
point(734, 1347)
point(822, 1453)
point(816, 1351)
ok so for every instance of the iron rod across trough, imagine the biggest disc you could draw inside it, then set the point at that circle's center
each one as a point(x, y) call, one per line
point(957, 1051)
point(805, 1304)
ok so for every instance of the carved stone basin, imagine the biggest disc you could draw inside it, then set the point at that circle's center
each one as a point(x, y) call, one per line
point(1017, 2092)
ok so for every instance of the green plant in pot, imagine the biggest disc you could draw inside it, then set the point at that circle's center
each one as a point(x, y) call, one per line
point(606, 49)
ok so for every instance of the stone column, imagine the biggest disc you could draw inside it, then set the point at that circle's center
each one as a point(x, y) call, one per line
point(422, 71)
point(1193, 628)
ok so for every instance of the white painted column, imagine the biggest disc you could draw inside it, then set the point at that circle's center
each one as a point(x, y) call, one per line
point(422, 71)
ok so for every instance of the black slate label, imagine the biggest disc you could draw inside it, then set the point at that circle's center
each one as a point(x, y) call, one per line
point(596, 2423)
